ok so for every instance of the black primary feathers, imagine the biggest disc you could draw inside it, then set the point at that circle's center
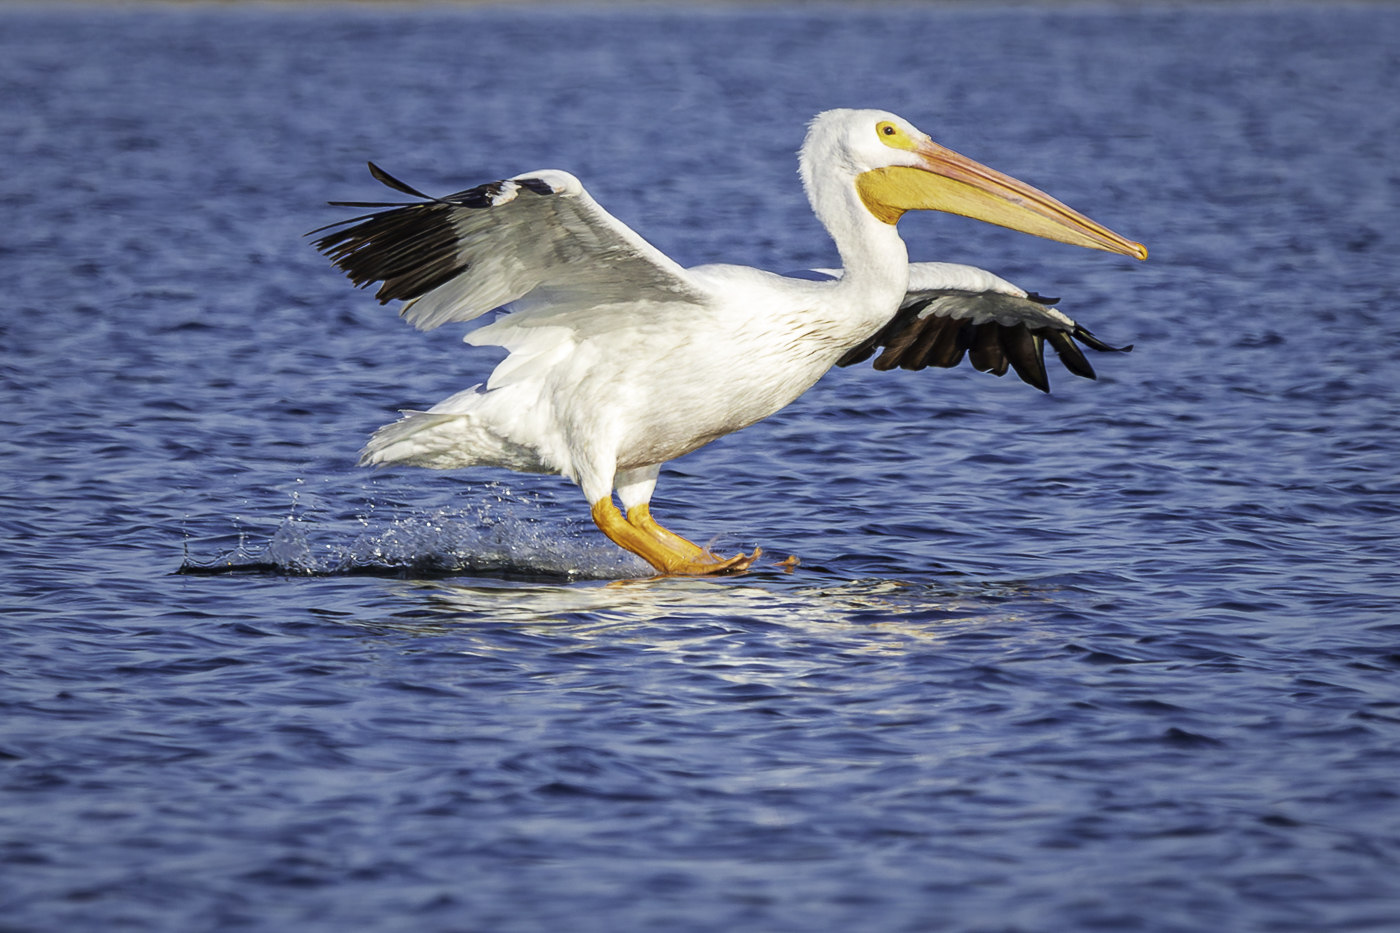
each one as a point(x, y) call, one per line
point(913, 342)
point(411, 248)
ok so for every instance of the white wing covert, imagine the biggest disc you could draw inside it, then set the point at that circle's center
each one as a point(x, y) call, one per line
point(537, 236)
point(951, 311)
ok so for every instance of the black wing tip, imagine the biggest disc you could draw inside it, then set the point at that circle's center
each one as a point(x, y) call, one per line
point(1025, 351)
point(370, 203)
point(410, 248)
point(1083, 335)
point(1071, 357)
point(383, 178)
point(389, 181)
point(487, 195)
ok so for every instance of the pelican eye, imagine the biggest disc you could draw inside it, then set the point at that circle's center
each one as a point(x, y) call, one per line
point(894, 137)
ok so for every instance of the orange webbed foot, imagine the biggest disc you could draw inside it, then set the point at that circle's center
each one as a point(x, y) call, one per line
point(665, 550)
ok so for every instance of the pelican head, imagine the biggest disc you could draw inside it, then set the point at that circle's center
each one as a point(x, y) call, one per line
point(898, 168)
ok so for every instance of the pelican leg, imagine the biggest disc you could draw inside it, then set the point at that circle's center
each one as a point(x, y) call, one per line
point(639, 517)
point(669, 553)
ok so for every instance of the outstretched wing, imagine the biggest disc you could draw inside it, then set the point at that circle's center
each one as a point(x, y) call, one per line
point(538, 236)
point(952, 311)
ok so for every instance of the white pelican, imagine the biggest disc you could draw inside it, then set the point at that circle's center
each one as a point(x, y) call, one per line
point(620, 359)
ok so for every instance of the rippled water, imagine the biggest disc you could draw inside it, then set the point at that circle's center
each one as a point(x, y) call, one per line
point(1124, 657)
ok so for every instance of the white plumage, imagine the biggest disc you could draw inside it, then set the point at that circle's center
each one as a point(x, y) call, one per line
point(620, 359)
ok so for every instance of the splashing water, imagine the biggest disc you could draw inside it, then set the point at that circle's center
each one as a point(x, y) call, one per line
point(493, 539)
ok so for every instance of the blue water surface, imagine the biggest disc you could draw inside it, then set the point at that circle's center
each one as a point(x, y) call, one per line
point(1122, 657)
